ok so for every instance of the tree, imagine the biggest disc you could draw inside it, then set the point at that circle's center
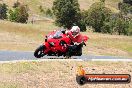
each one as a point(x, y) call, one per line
point(67, 13)
point(125, 6)
point(13, 15)
point(130, 29)
point(127, 2)
point(48, 12)
point(23, 14)
point(19, 14)
point(16, 4)
point(102, 0)
point(3, 11)
point(119, 24)
point(107, 28)
point(41, 9)
point(97, 15)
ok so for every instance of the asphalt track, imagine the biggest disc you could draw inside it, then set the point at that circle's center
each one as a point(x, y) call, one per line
point(28, 56)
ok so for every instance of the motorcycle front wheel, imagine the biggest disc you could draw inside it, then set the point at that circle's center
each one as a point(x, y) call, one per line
point(39, 52)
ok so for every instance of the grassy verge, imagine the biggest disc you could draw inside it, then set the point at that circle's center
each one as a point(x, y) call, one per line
point(105, 44)
point(57, 74)
point(17, 36)
point(27, 30)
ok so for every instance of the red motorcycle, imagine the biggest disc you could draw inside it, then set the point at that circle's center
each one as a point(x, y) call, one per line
point(57, 43)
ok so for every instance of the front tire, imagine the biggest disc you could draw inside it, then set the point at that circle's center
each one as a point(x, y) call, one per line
point(39, 52)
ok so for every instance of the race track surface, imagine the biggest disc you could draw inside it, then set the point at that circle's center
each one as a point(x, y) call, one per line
point(20, 55)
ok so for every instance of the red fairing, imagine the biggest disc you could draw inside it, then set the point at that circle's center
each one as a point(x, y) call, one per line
point(85, 38)
point(56, 41)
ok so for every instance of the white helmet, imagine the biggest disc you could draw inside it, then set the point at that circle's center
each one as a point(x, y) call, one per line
point(75, 30)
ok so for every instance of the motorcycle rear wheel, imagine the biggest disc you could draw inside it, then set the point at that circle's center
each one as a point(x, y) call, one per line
point(39, 52)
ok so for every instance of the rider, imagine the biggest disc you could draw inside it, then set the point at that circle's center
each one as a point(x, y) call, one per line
point(75, 35)
point(76, 38)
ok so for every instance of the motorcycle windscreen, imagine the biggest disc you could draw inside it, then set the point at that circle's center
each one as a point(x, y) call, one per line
point(57, 35)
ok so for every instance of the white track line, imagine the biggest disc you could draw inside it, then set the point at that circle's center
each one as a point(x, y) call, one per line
point(124, 60)
point(40, 60)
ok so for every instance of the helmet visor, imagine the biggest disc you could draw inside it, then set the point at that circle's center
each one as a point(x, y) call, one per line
point(74, 33)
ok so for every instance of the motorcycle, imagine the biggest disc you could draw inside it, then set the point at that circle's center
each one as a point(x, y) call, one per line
point(57, 43)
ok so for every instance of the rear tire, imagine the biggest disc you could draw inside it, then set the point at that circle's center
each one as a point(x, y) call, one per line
point(39, 52)
point(79, 52)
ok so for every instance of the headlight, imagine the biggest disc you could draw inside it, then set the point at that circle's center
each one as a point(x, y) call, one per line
point(50, 36)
